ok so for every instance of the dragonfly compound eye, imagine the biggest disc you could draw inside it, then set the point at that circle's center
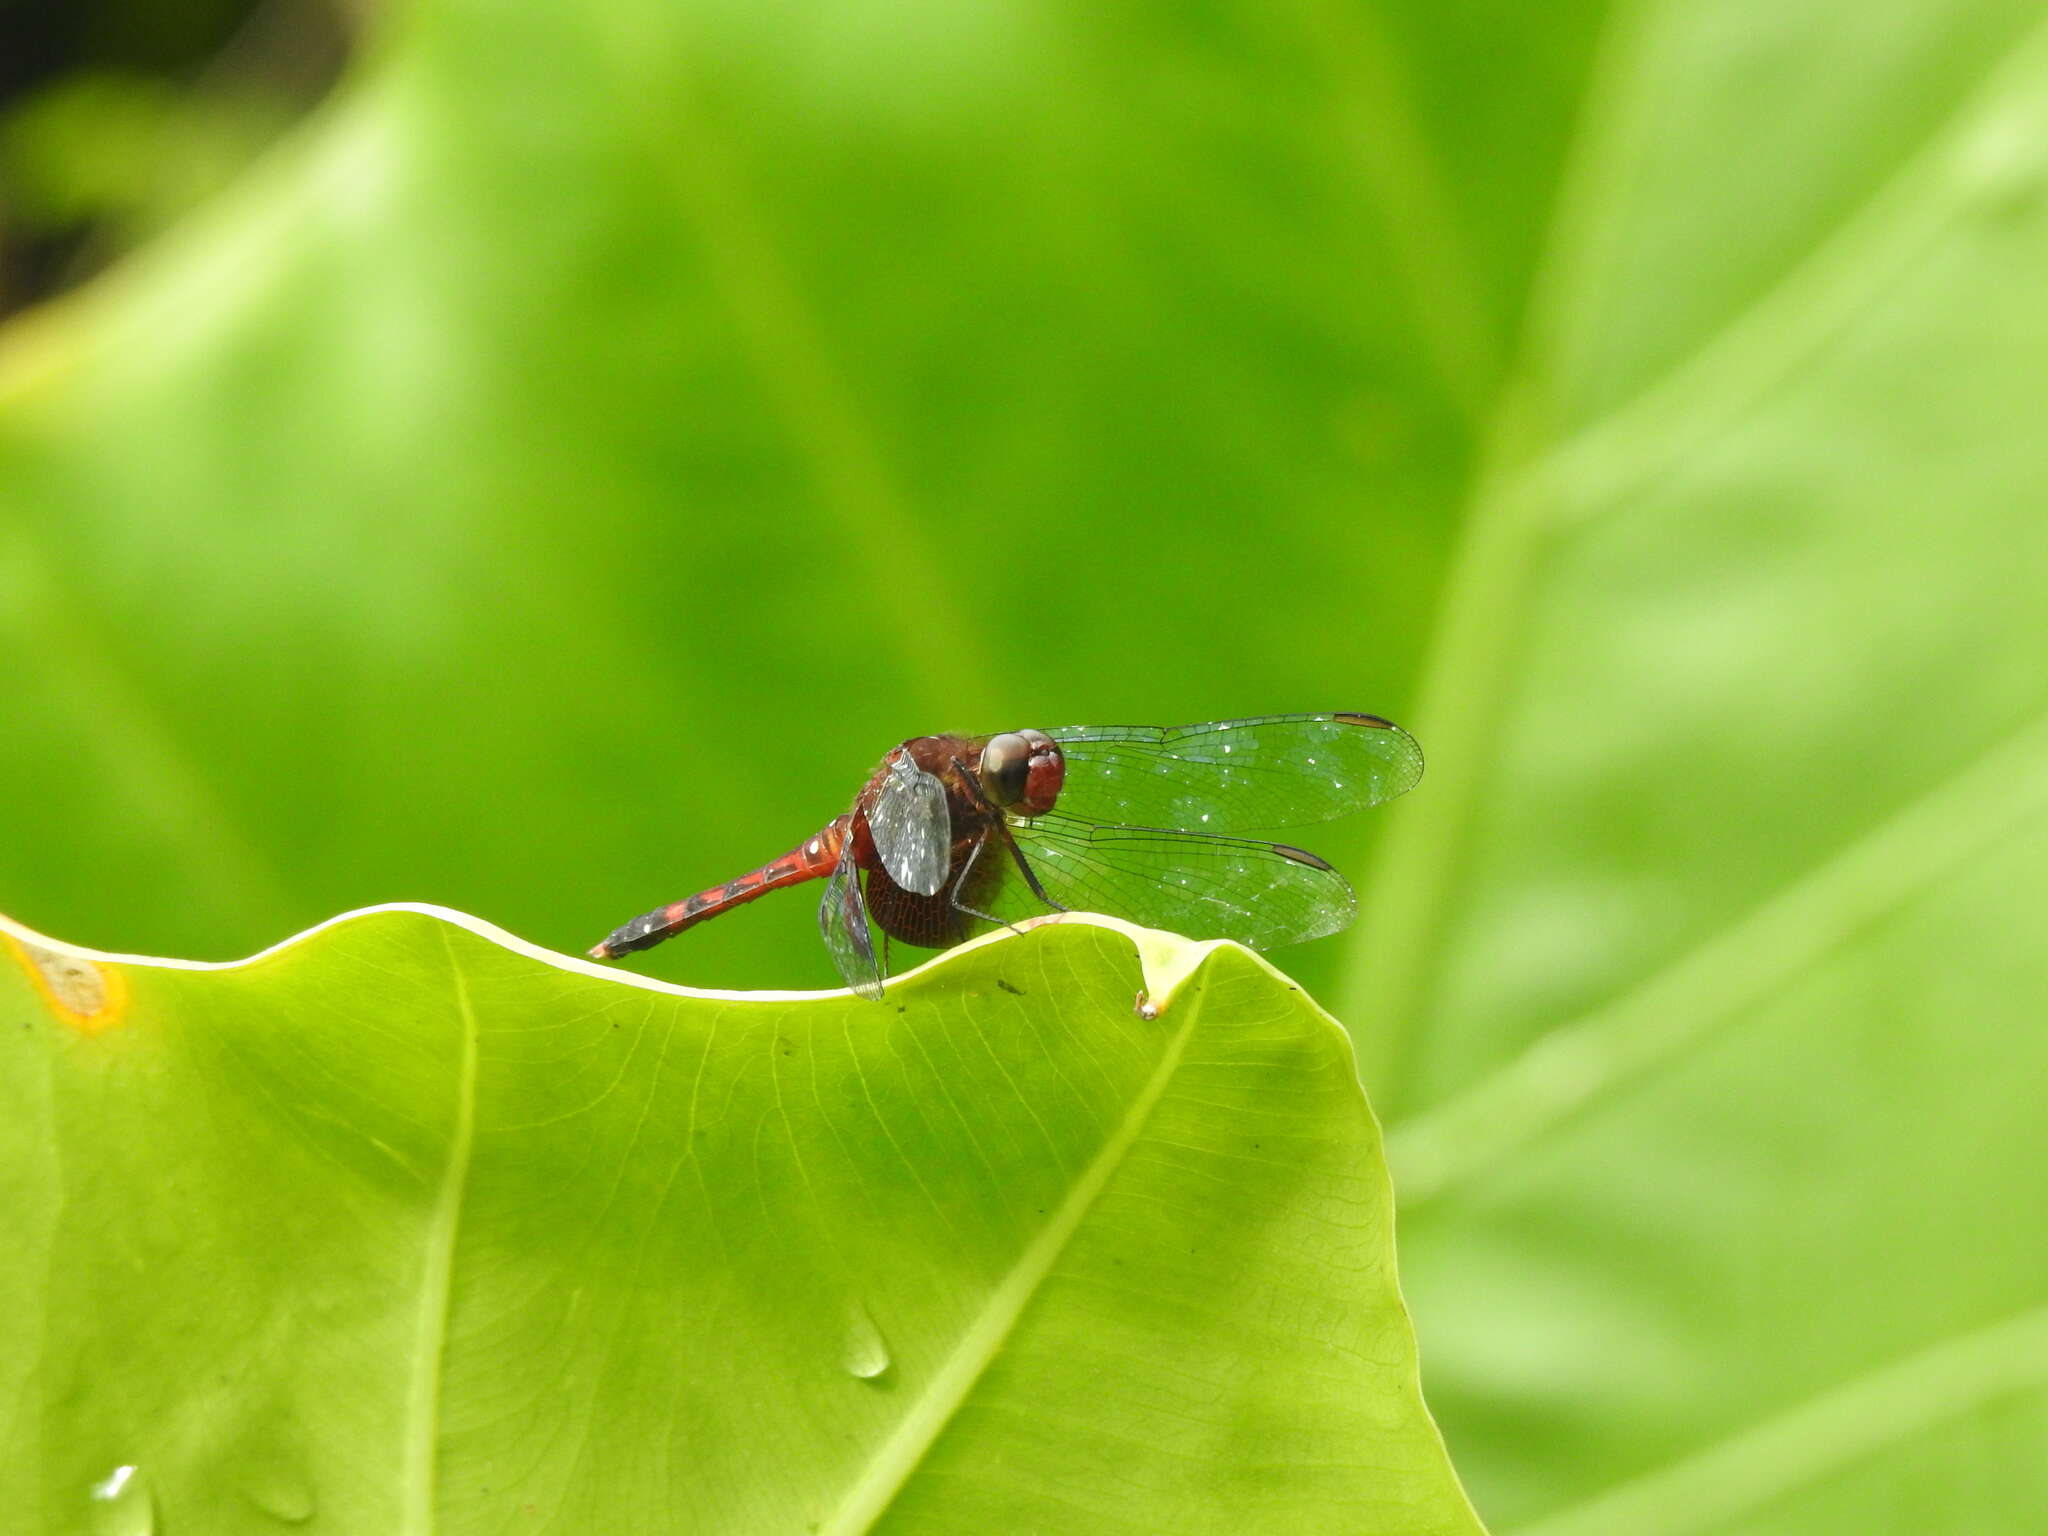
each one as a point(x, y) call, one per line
point(1005, 768)
point(1042, 781)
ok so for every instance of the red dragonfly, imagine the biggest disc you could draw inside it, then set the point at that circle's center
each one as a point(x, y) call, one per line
point(953, 835)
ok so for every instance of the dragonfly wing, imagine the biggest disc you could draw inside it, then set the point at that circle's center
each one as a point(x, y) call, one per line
point(1276, 771)
point(912, 829)
point(1207, 887)
point(843, 919)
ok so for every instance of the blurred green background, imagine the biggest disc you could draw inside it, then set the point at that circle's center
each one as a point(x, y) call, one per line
point(545, 478)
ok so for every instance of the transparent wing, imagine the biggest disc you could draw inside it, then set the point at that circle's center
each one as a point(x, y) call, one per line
point(843, 919)
point(913, 831)
point(1276, 771)
point(1260, 894)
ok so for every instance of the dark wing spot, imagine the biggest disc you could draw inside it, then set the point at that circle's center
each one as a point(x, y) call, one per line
point(1372, 720)
point(1302, 856)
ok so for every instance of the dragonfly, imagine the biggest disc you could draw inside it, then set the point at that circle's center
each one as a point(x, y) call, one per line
point(954, 835)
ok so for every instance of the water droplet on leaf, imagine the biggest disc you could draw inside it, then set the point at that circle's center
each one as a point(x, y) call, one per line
point(121, 1504)
point(866, 1354)
point(281, 1492)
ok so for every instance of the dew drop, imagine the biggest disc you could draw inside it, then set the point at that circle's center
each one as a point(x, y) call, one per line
point(280, 1491)
point(866, 1353)
point(121, 1504)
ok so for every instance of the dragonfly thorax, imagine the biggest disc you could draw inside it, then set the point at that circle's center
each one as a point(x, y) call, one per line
point(1021, 772)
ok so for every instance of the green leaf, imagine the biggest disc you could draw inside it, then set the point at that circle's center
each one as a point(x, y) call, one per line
point(554, 480)
point(412, 1226)
point(1706, 986)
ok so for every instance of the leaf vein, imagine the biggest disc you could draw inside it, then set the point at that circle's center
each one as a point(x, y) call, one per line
point(423, 1417)
point(921, 1428)
point(1594, 1057)
point(1746, 1470)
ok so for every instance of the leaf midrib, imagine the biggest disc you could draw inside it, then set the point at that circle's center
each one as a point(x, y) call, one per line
point(1602, 1053)
point(1754, 1464)
point(868, 1500)
point(1509, 526)
point(1595, 466)
point(808, 387)
point(423, 1407)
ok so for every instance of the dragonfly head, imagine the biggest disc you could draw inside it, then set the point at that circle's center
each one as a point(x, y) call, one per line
point(1021, 771)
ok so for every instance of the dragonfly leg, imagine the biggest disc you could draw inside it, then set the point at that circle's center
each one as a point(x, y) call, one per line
point(960, 906)
point(1002, 825)
point(1024, 868)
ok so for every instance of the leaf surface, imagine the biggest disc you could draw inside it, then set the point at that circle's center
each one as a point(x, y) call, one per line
point(552, 484)
point(417, 1228)
point(1705, 987)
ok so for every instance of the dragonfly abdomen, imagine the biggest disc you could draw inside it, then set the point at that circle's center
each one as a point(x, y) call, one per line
point(813, 859)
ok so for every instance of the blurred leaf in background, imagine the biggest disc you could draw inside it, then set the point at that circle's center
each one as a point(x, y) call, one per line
point(548, 482)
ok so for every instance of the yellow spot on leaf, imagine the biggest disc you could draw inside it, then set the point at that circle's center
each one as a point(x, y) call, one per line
point(86, 995)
